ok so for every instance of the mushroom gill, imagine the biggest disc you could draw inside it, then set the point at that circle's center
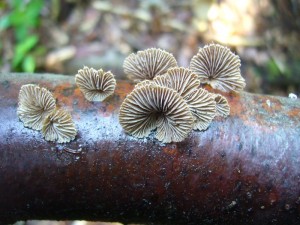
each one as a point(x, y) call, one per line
point(222, 106)
point(96, 85)
point(219, 67)
point(146, 64)
point(35, 103)
point(152, 106)
point(200, 101)
point(144, 83)
point(182, 80)
point(203, 108)
point(58, 126)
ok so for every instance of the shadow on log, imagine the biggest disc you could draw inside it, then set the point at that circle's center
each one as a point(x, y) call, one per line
point(244, 169)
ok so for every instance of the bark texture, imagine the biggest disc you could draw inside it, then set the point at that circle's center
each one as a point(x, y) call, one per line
point(244, 169)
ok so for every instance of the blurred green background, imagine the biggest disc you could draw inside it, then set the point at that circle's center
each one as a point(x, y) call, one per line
point(61, 36)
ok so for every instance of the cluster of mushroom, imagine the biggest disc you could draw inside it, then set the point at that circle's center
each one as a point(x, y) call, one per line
point(37, 110)
point(170, 100)
point(37, 106)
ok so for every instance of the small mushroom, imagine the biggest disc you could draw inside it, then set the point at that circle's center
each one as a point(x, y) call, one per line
point(151, 106)
point(182, 80)
point(144, 83)
point(203, 108)
point(35, 103)
point(95, 85)
point(222, 106)
point(58, 126)
point(219, 67)
point(147, 64)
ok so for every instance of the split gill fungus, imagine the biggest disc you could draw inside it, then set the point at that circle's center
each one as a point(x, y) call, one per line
point(146, 64)
point(182, 80)
point(219, 67)
point(203, 108)
point(149, 107)
point(222, 106)
point(96, 85)
point(35, 103)
point(200, 102)
point(58, 126)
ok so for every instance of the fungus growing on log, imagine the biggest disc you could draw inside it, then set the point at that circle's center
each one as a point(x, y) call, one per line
point(58, 126)
point(219, 67)
point(203, 108)
point(96, 85)
point(200, 102)
point(222, 106)
point(145, 65)
point(182, 80)
point(144, 83)
point(152, 107)
point(35, 103)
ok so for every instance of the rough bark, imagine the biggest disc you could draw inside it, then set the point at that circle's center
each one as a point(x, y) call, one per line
point(244, 169)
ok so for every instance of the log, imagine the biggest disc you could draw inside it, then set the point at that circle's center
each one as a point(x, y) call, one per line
point(244, 169)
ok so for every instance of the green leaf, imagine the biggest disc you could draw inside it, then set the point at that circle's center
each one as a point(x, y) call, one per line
point(28, 64)
point(26, 14)
point(4, 22)
point(22, 48)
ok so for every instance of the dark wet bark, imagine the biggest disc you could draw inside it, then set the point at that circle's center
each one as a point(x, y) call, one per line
point(244, 169)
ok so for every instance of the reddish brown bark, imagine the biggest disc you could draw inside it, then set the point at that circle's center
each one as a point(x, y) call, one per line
point(244, 169)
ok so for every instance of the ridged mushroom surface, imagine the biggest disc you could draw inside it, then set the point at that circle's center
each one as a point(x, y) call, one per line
point(96, 85)
point(146, 64)
point(151, 106)
point(182, 80)
point(219, 67)
point(222, 106)
point(35, 103)
point(203, 108)
point(144, 83)
point(58, 126)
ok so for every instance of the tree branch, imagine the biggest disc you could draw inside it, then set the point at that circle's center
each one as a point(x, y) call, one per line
point(244, 169)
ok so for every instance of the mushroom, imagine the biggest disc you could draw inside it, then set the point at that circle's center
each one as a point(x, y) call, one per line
point(200, 101)
point(58, 126)
point(152, 106)
point(95, 85)
point(147, 64)
point(219, 67)
point(182, 80)
point(222, 106)
point(203, 108)
point(144, 83)
point(35, 103)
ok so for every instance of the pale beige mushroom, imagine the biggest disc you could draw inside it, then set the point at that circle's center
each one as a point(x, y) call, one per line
point(35, 103)
point(145, 65)
point(203, 108)
point(144, 83)
point(182, 80)
point(186, 83)
point(58, 126)
point(96, 85)
point(222, 106)
point(219, 67)
point(151, 106)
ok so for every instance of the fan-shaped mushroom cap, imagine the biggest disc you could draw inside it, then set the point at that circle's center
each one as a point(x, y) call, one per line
point(95, 85)
point(219, 67)
point(58, 126)
point(222, 106)
point(182, 80)
point(147, 64)
point(35, 103)
point(151, 106)
point(144, 83)
point(203, 108)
